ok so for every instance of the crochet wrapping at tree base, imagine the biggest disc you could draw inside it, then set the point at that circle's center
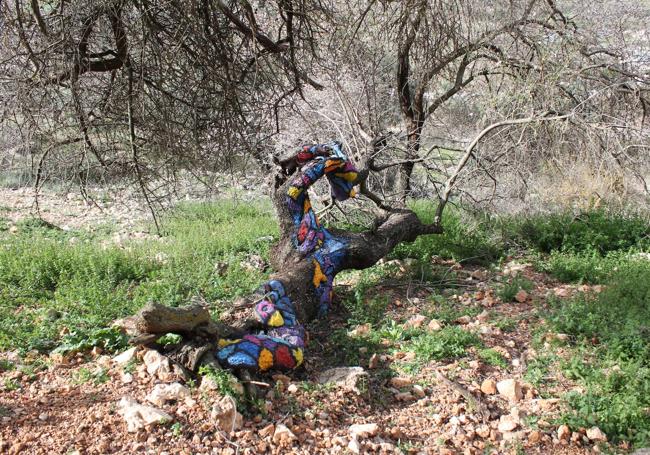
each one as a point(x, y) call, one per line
point(280, 345)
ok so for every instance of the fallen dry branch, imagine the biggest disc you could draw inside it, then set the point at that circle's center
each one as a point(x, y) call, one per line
point(475, 403)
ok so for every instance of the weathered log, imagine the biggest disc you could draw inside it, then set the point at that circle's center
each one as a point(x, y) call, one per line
point(191, 353)
point(155, 318)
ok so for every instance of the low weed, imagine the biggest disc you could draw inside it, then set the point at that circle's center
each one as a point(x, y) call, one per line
point(343, 349)
point(505, 324)
point(11, 384)
point(493, 357)
point(445, 311)
point(448, 343)
point(177, 429)
point(84, 375)
point(225, 382)
point(612, 354)
point(110, 339)
point(510, 288)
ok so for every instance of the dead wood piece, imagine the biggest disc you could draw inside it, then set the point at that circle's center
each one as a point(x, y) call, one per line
point(161, 319)
point(190, 353)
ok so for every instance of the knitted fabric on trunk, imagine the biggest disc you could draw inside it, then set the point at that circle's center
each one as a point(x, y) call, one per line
point(281, 342)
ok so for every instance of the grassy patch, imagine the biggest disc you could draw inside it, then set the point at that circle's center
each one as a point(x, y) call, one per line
point(612, 354)
point(598, 231)
point(50, 286)
point(470, 241)
point(448, 343)
point(493, 357)
point(446, 311)
point(83, 375)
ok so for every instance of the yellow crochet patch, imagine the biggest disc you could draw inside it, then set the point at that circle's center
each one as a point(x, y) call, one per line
point(319, 276)
point(348, 176)
point(265, 360)
point(294, 192)
point(297, 354)
point(223, 342)
point(276, 320)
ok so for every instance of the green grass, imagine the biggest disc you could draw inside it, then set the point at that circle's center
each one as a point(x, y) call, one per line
point(611, 354)
point(596, 230)
point(49, 286)
point(466, 240)
point(493, 357)
point(83, 375)
point(448, 343)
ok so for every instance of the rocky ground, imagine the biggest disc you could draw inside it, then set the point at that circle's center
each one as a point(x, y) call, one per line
point(138, 403)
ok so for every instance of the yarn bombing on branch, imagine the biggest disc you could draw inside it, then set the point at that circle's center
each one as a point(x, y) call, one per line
point(281, 342)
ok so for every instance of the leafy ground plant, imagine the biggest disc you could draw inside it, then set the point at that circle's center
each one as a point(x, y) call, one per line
point(612, 354)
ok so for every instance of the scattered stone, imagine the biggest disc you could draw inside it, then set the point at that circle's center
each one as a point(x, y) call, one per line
point(561, 292)
point(415, 321)
point(489, 386)
point(483, 316)
point(418, 391)
point(360, 330)
point(563, 432)
point(354, 446)
point(162, 393)
point(363, 430)
point(373, 362)
point(127, 378)
point(283, 434)
point(350, 378)
point(126, 356)
point(267, 431)
point(293, 388)
point(507, 423)
point(253, 263)
point(138, 416)
point(157, 364)
point(400, 381)
point(513, 268)
point(403, 396)
point(521, 296)
point(224, 414)
point(534, 437)
point(483, 431)
point(464, 320)
point(596, 434)
point(479, 274)
point(434, 325)
point(510, 389)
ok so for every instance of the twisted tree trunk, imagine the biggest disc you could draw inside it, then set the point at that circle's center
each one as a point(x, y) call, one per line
point(363, 249)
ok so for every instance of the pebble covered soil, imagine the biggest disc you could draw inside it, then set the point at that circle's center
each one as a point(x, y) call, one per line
point(392, 402)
